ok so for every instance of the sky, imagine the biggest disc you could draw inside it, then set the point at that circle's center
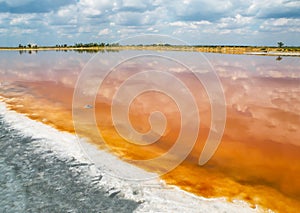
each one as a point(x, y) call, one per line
point(202, 22)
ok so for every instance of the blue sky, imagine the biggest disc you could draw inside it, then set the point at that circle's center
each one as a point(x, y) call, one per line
point(204, 22)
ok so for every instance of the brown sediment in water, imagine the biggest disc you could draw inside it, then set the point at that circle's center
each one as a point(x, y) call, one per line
point(258, 159)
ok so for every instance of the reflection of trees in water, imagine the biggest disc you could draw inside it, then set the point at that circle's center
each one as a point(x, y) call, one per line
point(61, 50)
point(279, 58)
point(89, 50)
point(27, 51)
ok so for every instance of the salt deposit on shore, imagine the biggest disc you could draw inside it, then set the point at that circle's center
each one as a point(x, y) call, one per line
point(274, 53)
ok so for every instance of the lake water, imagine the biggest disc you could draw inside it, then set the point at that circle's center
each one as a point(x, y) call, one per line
point(108, 98)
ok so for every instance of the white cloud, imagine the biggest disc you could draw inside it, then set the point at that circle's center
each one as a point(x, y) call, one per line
point(23, 19)
point(234, 22)
point(193, 24)
point(274, 9)
point(18, 20)
point(179, 24)
point(105, 31)
point(134, 4)
point(196, 21)
point(133, 18)
point(102, 5)
point(281, 24)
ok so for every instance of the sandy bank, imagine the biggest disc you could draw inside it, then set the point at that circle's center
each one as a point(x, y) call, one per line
point(248, 50)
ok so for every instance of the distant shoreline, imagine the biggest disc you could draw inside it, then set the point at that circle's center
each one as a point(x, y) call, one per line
point(246, 50)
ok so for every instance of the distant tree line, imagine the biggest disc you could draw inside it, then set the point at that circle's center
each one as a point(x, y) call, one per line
point(61, 45)
point(28, 46)
point(96, 45)
point(75, 45)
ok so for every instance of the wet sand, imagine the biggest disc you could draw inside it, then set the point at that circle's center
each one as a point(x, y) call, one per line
point(258, 159)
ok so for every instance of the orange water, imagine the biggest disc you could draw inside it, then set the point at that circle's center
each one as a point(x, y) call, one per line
point(258, 159)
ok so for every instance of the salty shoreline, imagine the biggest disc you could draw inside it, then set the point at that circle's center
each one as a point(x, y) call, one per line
point(274, 53)
point(153, 195)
